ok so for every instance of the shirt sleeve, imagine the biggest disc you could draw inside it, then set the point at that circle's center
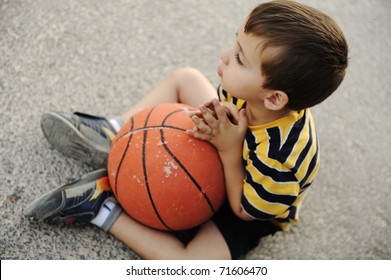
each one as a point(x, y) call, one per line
point(270, 188)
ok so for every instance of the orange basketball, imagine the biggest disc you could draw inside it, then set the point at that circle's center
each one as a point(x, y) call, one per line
point(161, 176)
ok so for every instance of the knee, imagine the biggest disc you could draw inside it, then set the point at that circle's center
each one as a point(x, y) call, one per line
point(187, 74)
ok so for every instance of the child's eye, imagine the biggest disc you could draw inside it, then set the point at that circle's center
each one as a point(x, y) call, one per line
point(238, 59)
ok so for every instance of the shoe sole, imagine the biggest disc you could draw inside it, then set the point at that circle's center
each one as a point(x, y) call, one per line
point(50, 203)
point(69, 141)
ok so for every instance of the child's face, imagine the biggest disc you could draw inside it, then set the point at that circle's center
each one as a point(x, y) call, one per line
point(240, 67)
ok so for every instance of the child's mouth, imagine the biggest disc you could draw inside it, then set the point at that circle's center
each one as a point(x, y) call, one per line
point(219, 72)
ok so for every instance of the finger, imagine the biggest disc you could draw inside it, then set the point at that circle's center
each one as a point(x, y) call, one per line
point(243, 121)
point(197, 134)
point(193, 112)
point(220, 112)
point(232, 112)
point(209, 118)
point(201, 126)
point(209, 105)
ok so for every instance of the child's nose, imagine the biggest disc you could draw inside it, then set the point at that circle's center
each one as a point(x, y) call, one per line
point(225, 56)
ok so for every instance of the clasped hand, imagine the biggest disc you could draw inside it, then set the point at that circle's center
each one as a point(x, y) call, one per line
point(221, 124)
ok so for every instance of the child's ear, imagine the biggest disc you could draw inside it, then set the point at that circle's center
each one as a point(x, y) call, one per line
point(276, 100)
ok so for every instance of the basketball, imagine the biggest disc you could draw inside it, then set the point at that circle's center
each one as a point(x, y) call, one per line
point(161, 176)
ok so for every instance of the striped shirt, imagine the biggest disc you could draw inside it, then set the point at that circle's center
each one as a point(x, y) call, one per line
point(281, 159)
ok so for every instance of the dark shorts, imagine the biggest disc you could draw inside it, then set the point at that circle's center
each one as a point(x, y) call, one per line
point(240, 236)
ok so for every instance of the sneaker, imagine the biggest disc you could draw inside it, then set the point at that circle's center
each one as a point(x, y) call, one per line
point(80, 136)
point(75, 203)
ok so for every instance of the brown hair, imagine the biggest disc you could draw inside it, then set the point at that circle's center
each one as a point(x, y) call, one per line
point(313, 57)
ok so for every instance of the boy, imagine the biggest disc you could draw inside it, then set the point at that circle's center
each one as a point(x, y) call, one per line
point(287, 57)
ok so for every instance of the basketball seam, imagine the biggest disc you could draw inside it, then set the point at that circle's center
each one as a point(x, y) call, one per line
point(145, 131)
point(151, 127)
point(130, 133)
point(123, 157)
point(198, 186)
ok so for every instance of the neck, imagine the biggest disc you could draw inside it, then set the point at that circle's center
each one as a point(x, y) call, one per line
point(258, 115)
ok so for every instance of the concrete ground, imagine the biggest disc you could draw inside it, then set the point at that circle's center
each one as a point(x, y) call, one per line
point(101, 57)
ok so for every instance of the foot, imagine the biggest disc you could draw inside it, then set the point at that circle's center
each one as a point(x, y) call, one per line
point(83, 137)
point(75, 203)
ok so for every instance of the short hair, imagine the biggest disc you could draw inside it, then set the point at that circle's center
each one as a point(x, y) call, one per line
point(314, 53)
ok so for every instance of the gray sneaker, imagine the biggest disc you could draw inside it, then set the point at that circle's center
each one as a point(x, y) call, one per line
point(84, 137)
point(75, 203)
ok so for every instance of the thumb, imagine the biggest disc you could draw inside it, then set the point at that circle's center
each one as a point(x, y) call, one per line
point(243, 121)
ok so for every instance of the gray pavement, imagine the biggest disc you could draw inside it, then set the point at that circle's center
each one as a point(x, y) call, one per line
point(103, 56)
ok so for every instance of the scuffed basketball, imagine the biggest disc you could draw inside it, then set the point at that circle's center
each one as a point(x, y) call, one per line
point(161, 176)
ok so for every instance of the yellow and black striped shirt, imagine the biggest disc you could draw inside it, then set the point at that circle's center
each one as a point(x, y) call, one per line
point(281, 159)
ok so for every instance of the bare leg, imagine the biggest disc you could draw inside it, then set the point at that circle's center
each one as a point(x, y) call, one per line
point(185, 85)
point(154, 244)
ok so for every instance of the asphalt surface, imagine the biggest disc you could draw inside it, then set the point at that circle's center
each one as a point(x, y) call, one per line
point(101, 57)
